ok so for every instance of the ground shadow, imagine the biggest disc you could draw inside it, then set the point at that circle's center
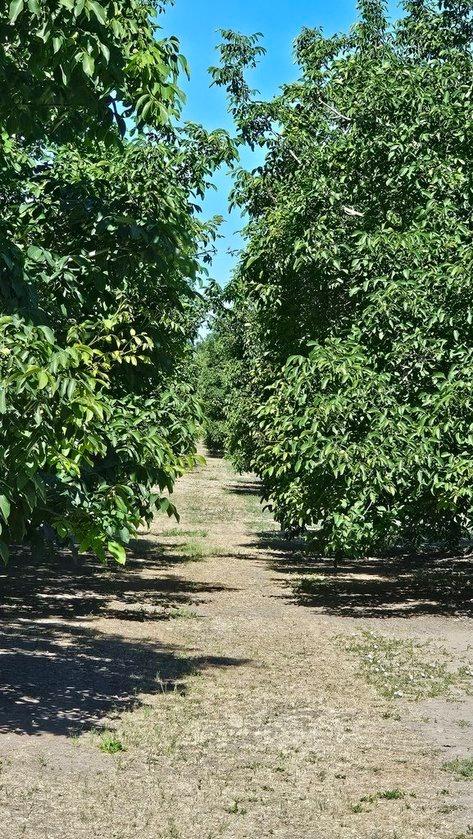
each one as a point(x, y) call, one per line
point(215, 452)
point(397, 586)
point(58, 675)
point(63, 679)
point(244, 488)
point(40, 587)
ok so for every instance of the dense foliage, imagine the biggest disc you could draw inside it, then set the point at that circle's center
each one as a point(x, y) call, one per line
point(221, 373)
point(355, 290)
point(100, 248)
point(213, 391)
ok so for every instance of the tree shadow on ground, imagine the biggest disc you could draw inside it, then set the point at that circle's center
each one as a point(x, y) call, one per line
point(396, 586)
point(58, 675)
point(244, 488)
point(62, 679)
point(215, 452)
point(41, 587)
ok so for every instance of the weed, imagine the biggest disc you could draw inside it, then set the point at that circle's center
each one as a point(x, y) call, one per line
point(463, 723)
point(236, 808)
point(110, 743)
point(462, 767)
point(311, 584)
point(392, 794)
point(183, 613)
point(174, 833)
point(197, 551)
point(387, 795)
point(402, 669)
point(374, 797)
point(446, 809)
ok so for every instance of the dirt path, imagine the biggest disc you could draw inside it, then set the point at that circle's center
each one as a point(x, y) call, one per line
point(230, 696)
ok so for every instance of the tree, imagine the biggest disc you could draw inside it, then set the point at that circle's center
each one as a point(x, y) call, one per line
point(221, 374)
point(356, 282)
point(100, 250)
point(213, 391)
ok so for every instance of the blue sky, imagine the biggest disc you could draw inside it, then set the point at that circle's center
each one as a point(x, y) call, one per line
point(196, 23)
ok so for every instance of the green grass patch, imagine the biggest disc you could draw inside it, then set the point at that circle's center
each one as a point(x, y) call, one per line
point(183, 613)
point(392, 794)
point(375, 797)
point(110, 743)
point(406, 669)
point(462, 767)
point(197, 551)
point(387, 795)
point(312, 584)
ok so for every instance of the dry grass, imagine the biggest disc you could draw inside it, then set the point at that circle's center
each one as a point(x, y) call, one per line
point(251, 721)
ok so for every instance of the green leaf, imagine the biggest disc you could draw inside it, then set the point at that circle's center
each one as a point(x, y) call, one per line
point(16, 7)
point(88, 64)
point(105, 52)
point(48, 333)
point(35, 253)
point(4, 552)
point(5, 507)
point(43, 380)
point(98, 11)
point(118, 552)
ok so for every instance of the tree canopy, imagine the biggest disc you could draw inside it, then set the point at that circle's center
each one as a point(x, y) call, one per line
point(100, 249)
point(354, 293)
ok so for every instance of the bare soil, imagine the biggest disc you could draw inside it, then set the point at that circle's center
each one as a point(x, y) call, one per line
point(226, 689)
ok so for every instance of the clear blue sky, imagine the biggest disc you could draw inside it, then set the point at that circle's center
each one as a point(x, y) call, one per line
point(196, 23)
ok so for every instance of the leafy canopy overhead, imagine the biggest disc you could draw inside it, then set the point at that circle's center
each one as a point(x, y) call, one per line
point(71, 69)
